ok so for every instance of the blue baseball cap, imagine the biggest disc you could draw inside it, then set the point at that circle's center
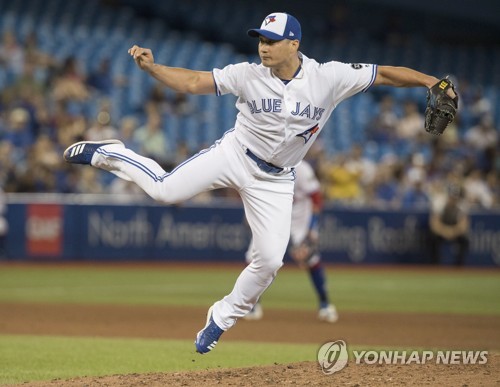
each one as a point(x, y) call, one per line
point(278, 26)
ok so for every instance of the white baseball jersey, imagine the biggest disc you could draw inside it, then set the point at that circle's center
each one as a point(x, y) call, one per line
point(279, 122)
point(306, 184)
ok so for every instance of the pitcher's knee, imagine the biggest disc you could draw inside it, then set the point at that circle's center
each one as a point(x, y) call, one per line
point(267, 267)
point(274, 265)
point(162, 192)
point(268, 257)
point(160, 195)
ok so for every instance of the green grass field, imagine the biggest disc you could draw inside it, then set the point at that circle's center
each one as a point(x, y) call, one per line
point(469, 292)
point(25, 358)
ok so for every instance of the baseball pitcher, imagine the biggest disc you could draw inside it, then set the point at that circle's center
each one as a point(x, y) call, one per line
point(283, 103)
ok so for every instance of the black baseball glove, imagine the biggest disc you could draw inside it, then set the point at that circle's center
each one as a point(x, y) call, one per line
point(441, 108)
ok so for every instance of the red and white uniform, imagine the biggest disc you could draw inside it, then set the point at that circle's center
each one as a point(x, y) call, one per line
point(306, 185)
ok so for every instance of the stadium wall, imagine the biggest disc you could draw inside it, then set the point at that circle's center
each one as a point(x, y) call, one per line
point(107, 228)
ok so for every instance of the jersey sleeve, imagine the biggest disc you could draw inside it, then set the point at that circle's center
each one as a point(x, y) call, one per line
point(228, 79)
point(351, 78)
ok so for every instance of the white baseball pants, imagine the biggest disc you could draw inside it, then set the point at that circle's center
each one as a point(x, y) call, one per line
point(267, 200)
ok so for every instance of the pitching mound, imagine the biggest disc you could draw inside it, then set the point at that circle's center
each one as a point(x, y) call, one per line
point(307, 373)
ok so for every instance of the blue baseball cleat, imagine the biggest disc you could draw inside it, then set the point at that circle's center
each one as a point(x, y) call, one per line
point(207, 338)
point(82, 152)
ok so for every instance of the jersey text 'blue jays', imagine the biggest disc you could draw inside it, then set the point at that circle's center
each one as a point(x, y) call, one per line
point(273, 105)
point(266, 105)
point(316, 113)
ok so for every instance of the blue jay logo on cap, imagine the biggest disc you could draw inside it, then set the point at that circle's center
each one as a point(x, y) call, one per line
point(270, 19)
point(278, 26)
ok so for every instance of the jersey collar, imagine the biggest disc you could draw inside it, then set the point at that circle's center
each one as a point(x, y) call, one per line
point(298, 74)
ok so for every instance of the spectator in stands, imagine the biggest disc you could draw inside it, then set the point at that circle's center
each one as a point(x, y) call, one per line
point(449, 223)
point(19, 130)
point(480, 105)
point(158, 99)
point(342, 184)
point(44, 63)
point(412, 122)
point(102, 128)
point(69, 84)
point(477, 192)
point(7, 161)
point(387, 185)
point(493, 184)
point(483, 138)
point(182, 152)
point(359, 164)
point(11, 54)
point(382, 129)
point(25, 86)
point(416, 170)
point(44, 118)
point(45, 153)
point(101, 79)
point(449, 181)
point(152, 139)
point(180, 105)
point(482, 135)
point(415, 196)
point(69, 127)
point(176, 104)
point(32, 177)
point(68, 181)
point(127, 129)
point(316, 157)
point(89, 182)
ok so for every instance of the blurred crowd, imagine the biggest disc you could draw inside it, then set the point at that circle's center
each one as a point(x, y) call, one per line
point(416, 168)
point(38, 120)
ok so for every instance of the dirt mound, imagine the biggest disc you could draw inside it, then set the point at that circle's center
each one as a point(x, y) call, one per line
point(306, 373)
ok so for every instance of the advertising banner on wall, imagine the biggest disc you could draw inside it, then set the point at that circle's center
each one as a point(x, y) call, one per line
point(89, 232)
point(44, 230)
